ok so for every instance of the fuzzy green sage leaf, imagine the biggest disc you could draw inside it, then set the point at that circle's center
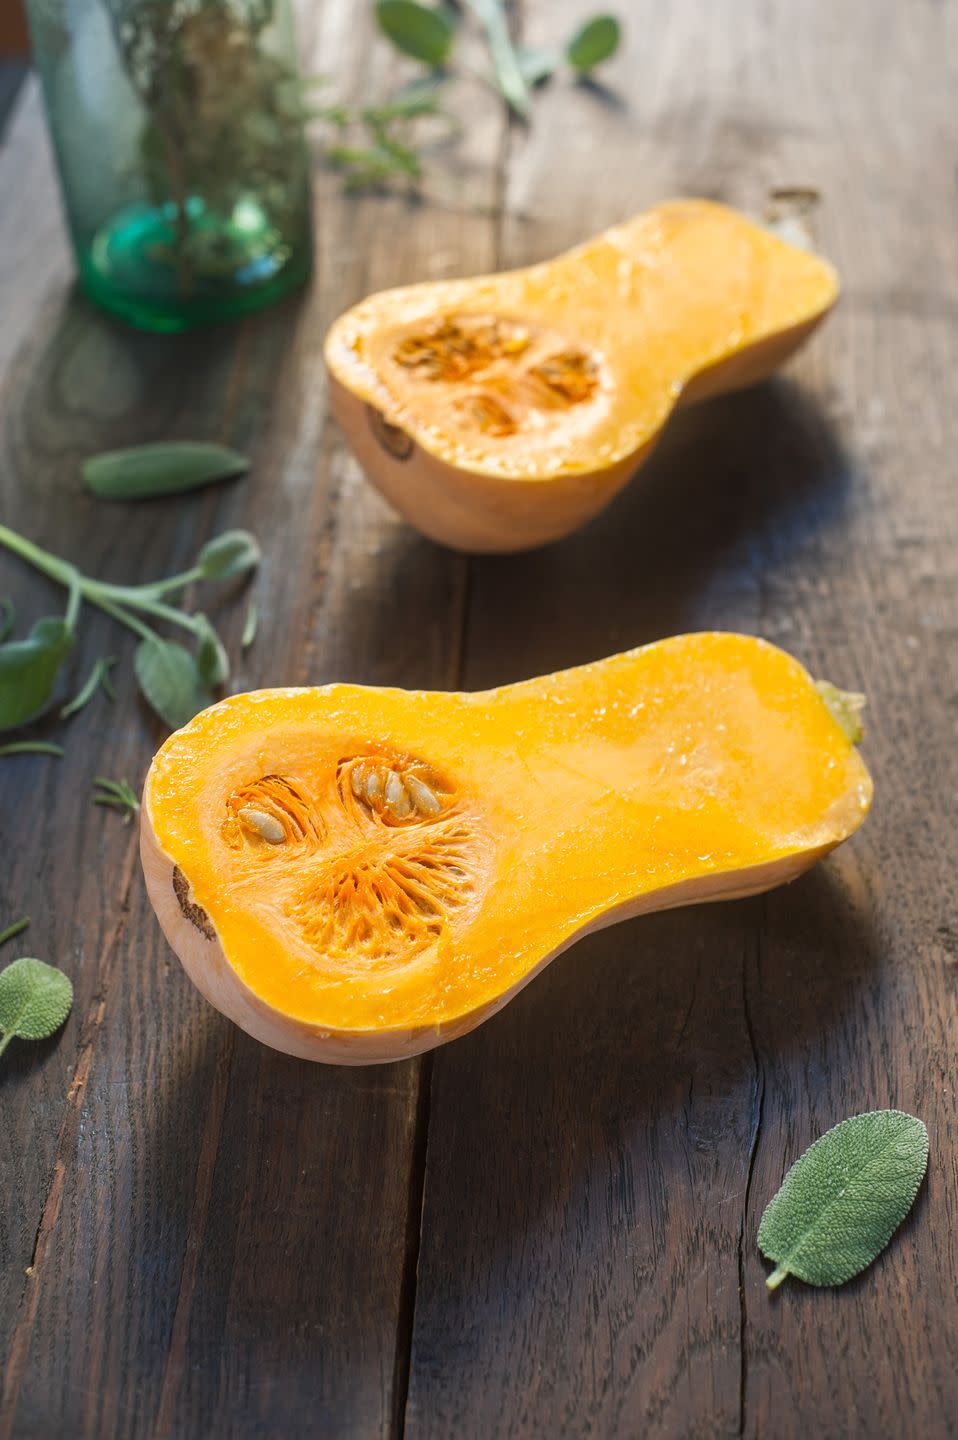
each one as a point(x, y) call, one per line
point(167, 468)
point(230, 554)
point(417, 30)
point(842, 1201)
point(537, 63)
point(250, 626)
point(170, 680)
point(35, 1000)
point(212, 661)
point(28, 670)
point(99, 677)
point(596, 42)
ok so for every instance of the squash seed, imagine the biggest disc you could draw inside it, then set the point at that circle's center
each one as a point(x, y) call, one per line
point(424, 799)
point(266, 826)
point(396, 796)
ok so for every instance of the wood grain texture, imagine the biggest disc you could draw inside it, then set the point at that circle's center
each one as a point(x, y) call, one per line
point(225, 1242)
point(218, 1237)
point(599, 1157)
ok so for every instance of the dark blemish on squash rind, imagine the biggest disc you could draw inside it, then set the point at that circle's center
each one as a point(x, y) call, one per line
point(392, 438)
point(193, 912)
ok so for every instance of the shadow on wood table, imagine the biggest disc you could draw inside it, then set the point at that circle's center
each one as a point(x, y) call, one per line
point(737, 488)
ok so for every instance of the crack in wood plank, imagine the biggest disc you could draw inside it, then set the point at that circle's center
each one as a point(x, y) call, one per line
point(66, 1146)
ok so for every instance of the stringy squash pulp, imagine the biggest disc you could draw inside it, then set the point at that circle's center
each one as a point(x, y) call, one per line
point(502, 411)
point(358, 874)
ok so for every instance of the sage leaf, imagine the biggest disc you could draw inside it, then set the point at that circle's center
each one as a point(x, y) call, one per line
point(98, 677)
point(7, 617)
point(170, 680)
point(491, 15)
point(250, 626)
point(596, 42)
point(417, 30)
point(212, 661)
point(537, 64)
point(168, 468)
point(842, 1201)
point(28, 670)
point(33, 747)
point(232, 553)
point(35, 1000)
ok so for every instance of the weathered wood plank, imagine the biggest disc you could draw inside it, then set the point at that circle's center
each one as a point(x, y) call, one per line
point(218, 1235)
point(599, 1155)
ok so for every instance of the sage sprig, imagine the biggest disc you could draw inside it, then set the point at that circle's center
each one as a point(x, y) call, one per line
point(428, 33)
point(842, 1201)
point(35, 1000)
point(175, 681)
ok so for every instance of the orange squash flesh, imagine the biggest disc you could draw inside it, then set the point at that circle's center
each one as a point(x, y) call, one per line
point(696, 768)
point(501, 412)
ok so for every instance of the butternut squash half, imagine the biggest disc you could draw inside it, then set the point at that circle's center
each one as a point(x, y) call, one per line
point(502, 412)
point(357, 875)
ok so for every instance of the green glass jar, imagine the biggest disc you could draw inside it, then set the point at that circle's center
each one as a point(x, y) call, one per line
point(177, 127)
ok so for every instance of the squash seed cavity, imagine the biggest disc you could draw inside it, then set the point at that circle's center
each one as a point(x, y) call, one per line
point(390, 898)
point(273, 812)
point(393, 791)
point(503, 374)
point(370, 870)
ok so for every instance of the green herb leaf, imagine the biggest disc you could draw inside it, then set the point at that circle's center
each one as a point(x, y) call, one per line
point(35, 999)
point(118, 793)
point(846, 707)
point(28, 670)
point(32, 747)
point(232, 553)
point(841, 1202)
point(251, 625)
point(168, 468)
point(98, 676)
point(537, 64)
point(169, 678)
point(7, 617)
point(17, 928)
point(596, 42)
point(492, 16)
point(212, 661)
point(417, 30)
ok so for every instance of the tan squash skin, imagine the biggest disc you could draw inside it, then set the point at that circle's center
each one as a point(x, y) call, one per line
point(740, 302)
point(207, 966)
point(734, 754)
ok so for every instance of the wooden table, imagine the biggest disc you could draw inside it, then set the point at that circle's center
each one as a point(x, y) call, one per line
point(548, 1228)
